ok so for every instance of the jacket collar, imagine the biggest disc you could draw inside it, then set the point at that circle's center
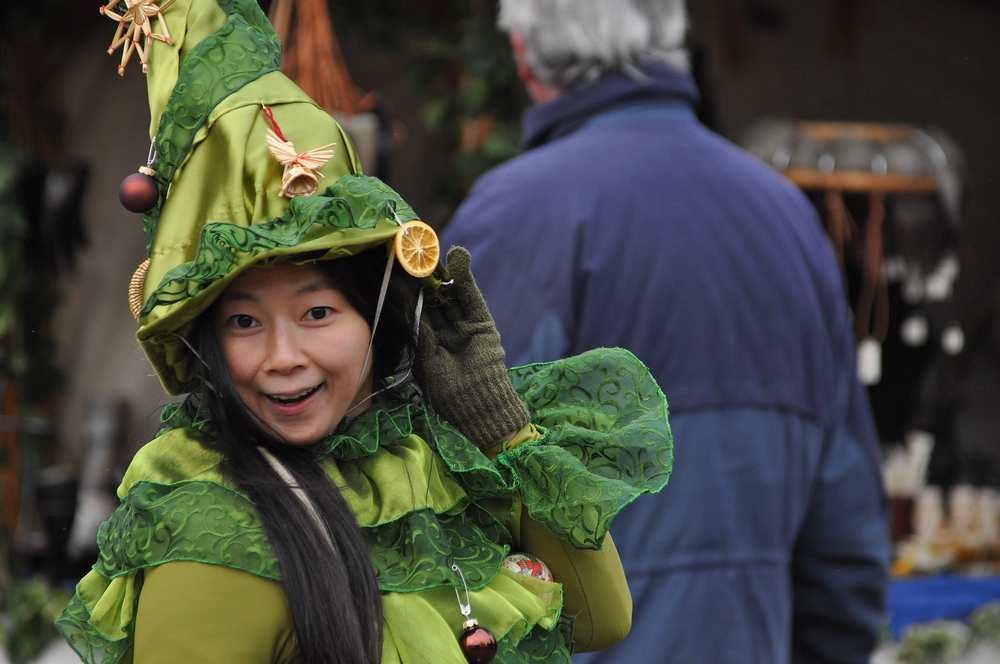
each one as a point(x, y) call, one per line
point(572, 109)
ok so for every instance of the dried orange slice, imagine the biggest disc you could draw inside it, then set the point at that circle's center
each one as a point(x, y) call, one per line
point(417, 248)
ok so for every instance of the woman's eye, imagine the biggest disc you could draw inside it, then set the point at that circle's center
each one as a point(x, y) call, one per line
point(242, 321)
point(318, 313)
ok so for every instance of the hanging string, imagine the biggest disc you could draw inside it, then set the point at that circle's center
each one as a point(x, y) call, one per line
point(418, 311)
point(871, 317)
point(187, 343)
point(289, 480)
point(274, 123)
point(840, 225)
point(371, 340)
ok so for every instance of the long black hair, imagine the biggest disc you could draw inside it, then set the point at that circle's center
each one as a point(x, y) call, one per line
point(333, 595)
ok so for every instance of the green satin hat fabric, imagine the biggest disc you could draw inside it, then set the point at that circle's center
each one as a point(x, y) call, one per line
point(223, 210)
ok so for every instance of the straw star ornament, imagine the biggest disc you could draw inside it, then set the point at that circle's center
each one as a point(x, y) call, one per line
point(134, 29)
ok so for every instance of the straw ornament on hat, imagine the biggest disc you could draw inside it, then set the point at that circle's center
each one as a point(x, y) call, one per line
point(299, 177)
point(232, 189)
point(134, 29)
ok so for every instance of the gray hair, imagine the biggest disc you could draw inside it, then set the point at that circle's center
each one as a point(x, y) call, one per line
point(572, 41)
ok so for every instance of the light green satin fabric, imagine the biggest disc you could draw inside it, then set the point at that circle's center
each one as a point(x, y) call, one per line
point(189, 22)
point(229, 175)
point(177, 457)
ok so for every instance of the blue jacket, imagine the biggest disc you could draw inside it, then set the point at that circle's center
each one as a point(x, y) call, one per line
point(627, 223)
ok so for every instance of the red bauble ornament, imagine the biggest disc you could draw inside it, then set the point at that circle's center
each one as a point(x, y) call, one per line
point(138, 192)
point(478, 644)
point(529, 565)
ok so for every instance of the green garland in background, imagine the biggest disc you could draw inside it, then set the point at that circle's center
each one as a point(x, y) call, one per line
point(479, 110)
point(457, 55)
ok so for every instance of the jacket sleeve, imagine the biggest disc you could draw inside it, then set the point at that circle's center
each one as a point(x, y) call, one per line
point(842, 554)
point(194, 612)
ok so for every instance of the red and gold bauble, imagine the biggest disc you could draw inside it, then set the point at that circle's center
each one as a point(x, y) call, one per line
point(138, 192)
point(529, 565)
point(478, 644)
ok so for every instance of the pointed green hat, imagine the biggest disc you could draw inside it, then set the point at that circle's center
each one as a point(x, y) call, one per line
point(221, 206)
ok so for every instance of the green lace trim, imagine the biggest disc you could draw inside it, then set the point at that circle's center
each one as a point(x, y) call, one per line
point(540, 645)
point(194, 521)
point(607, 418)
point(416, 551)
point(200, 521)
point(464, 461)
point(83, 637)
point(355, 202)
point(242, 50)
point(190, 413)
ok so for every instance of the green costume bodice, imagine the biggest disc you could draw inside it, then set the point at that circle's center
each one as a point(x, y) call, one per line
point(604, 442)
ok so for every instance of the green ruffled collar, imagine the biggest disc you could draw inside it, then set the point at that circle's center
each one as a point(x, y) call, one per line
point(389, 420)
point(386, 421)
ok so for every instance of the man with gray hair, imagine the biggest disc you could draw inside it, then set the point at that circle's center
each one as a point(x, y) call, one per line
point(627, 223)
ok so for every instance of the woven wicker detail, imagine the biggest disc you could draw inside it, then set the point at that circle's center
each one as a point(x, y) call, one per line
point(135, 288)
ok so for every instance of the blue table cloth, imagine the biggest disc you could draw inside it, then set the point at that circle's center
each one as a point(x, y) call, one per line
point(943, 597)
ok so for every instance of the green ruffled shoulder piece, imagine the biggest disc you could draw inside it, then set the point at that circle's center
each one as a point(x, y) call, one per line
point(177, 506)
point(606, 441)
point(98, 621)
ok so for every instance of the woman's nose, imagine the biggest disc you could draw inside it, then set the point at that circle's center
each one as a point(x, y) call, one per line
point(285, 352)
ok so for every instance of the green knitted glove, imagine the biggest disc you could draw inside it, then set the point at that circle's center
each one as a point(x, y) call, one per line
point(460, 361)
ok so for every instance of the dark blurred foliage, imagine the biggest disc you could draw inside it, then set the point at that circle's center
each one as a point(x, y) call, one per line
point(35, 37)
point(40, 190)
point(40, 231)
point(457, 60)
point(32, 606)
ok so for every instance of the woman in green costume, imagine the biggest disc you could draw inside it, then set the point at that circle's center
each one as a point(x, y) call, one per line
point(352, 464)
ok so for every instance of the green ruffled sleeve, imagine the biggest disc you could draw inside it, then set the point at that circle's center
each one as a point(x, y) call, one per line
point(606, 442)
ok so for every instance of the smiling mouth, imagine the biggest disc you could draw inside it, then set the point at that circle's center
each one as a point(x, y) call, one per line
point(289, 399)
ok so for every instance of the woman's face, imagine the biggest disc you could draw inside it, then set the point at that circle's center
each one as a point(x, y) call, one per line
point(296, 349)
